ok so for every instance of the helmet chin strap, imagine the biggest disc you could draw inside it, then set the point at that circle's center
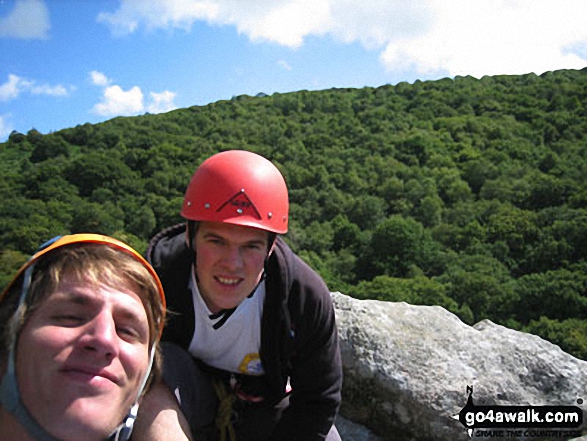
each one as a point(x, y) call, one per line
point(11, 399)
point(124, 430)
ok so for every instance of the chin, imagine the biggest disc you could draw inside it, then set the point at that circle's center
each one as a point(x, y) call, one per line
point(75, 431)
point(88, 421)
point(229, 304)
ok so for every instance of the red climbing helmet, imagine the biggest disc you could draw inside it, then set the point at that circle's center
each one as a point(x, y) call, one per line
point(240, 188)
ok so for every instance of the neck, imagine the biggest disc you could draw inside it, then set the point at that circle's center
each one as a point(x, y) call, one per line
point(12, 430)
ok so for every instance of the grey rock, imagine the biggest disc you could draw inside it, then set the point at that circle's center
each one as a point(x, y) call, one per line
point(407, 369)
point(350, 431)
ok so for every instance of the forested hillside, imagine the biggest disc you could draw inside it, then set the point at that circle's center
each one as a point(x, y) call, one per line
point(469, 194)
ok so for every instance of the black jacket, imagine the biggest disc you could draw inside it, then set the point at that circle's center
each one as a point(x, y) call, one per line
point(299, 338)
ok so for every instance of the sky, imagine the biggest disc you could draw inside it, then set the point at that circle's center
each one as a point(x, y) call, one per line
point(69, 62)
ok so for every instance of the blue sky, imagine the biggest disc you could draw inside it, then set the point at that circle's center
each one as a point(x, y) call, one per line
point(68, 62)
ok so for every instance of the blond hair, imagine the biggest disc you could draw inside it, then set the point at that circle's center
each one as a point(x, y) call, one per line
point(94, 263)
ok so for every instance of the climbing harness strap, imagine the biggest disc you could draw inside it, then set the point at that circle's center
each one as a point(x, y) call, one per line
point(224, 415)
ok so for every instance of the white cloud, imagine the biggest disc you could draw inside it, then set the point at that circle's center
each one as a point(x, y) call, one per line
point(5, 127)
point(286, 22)
point(28, 20)
point(99, 79)
point(16, 85)
point(46, 89)
point(282, 22)
point(157, 14)
point(162, 102)
point(455, 37)
point(118, 102)
point(11, 89)
point(495, 37)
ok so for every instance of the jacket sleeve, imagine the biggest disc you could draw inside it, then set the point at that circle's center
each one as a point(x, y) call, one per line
point(316, 369)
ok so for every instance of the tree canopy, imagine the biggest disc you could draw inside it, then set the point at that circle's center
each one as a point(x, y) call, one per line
point(467, 193)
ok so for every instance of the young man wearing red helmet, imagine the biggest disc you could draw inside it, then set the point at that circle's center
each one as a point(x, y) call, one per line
point(254, 353)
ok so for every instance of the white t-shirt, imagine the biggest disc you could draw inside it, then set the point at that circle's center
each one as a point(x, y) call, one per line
point(235, 345)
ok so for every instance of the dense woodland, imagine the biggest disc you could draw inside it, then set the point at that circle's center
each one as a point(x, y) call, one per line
point(465, 193)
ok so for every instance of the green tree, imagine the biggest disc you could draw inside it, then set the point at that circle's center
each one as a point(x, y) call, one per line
point(416, 291)
point(49, 146)
point(570, 334)
point(398, 246)
point(96, 170)
point(91, 217)
point(10, 262)
point(558, 295)
point(482, 284)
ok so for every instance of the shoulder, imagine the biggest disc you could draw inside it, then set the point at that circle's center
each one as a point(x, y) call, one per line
point(292, 267)
point(168, 250)
point(303, 285)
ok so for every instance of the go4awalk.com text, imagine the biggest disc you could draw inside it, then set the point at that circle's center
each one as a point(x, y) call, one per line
point(555, 422)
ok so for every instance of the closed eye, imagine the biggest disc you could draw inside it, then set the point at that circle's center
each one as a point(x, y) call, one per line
point(131, 328)
point(128, 331)
point(69, 320)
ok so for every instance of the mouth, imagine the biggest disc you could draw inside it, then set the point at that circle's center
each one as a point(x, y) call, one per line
point(229, 281)
point(85, 375)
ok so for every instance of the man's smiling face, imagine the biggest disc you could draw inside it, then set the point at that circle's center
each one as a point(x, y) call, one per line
point(81, 357)
point(229, 262)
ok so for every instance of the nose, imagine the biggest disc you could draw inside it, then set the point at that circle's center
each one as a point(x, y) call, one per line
point(233, 258)
point(100, 335)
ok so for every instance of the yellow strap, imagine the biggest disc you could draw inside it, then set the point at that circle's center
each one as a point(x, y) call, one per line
point(224, 413)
